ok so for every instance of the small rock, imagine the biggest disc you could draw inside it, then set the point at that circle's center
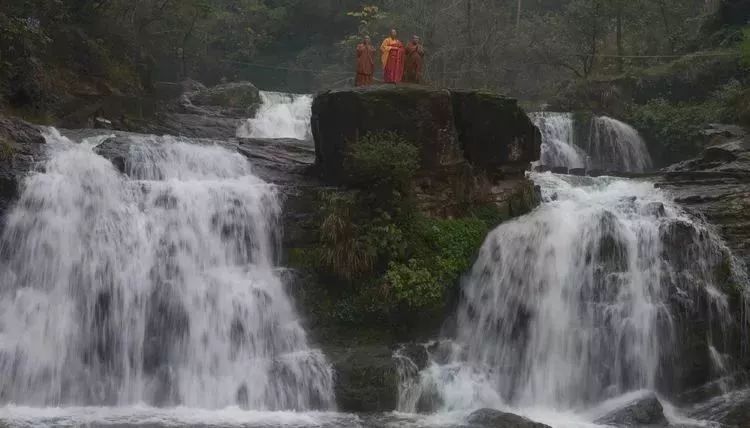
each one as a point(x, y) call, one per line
point(577, 171)
point(559, 170)
point(655, 209)
point(490, 418)
point(644, 411)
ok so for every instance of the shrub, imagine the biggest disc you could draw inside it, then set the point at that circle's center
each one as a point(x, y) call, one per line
point(745, 48)
point(382, 159)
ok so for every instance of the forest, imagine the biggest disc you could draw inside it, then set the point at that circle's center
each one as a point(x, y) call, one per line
point(525, 47)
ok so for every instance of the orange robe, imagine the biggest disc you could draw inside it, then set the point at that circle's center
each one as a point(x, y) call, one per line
point(393, 60)
point(414, 63)
point(365, 65)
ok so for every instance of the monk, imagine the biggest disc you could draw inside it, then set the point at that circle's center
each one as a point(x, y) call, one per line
point(365, 62)
point(393, 58)
point(414, 61)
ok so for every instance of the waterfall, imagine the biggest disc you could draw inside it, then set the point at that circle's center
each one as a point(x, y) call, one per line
point(157, 286)
point(616, 146)
point(610, 145)
point(570, 305)
point(280, 116)
point(558, 144)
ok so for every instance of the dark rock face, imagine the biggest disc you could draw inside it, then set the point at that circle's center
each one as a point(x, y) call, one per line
point(424, 116)
point(21, 146)
point(493, 131)
point(717, 185)
point(490, 418)
point(646, 411)
point(366, 378)
point(474, 147)
point(241, 98)
point(487, 131)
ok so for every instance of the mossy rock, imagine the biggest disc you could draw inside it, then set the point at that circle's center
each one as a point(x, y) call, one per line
point(243, 96)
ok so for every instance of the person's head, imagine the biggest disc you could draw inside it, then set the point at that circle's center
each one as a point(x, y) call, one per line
point(366, 40)
point(394, 33)
point(415, 39)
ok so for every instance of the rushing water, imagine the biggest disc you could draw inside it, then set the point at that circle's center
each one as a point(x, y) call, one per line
point(567, 306)
point(281, 116)
point(153, 287)
point(558, 143)
point(607, 145)
point(616, 146)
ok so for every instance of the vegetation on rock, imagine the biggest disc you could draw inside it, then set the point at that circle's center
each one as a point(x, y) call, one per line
point(379, 258)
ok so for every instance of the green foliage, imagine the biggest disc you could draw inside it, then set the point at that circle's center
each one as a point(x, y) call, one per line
point(344, 252)
point(673, 130)
point(384, 258)
point(382, 159)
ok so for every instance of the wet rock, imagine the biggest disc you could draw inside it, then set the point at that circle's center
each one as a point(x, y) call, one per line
point(655, 209)
point(21, 146)
point(417, 353)
point(645, 411)
point(559, 170)
point(366, 378)
point(577, 171)
point(541, 168)
point(490, 418)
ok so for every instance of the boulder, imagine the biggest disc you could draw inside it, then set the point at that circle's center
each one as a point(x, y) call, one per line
point(493, 131)
point(489, 132)
point(419, 114)
point(490, 418)
point(21, 146)
point(645, 411)
point(241, 98)
point(366, 378)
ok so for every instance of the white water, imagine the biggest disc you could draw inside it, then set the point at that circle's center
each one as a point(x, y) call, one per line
point(616, 146)
point(281, 116)
point(155, 287)
point(611, 145)
point(558, 142)
point(567, 307)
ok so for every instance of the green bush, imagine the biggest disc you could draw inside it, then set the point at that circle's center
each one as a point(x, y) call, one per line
point(673, 130)
point(382, 159)
point(382, 260)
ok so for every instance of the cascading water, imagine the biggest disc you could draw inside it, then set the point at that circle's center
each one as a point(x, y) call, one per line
point(558, 143)
point(616, 146)
point(280, 116)
point(157, 286)
point(610, 145)
point(569, 305)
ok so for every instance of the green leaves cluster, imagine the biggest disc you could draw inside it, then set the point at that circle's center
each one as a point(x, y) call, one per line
point(385, 259)
point(673, 130)
point(745, 48)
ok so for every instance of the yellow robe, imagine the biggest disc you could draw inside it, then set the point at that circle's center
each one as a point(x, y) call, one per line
point(384, 49)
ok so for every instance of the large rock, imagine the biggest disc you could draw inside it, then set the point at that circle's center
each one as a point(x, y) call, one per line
point(490, 418)
point(714, 187)
point(421, 115)
point(493, 131)
point(21, 146)
point(474, 146)
point(450, 128)
point(646, 411)
point(238, 98)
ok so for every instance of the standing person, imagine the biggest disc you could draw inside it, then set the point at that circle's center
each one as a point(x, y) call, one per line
point(365, 62)
point(414, 61)
point(393, 58)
